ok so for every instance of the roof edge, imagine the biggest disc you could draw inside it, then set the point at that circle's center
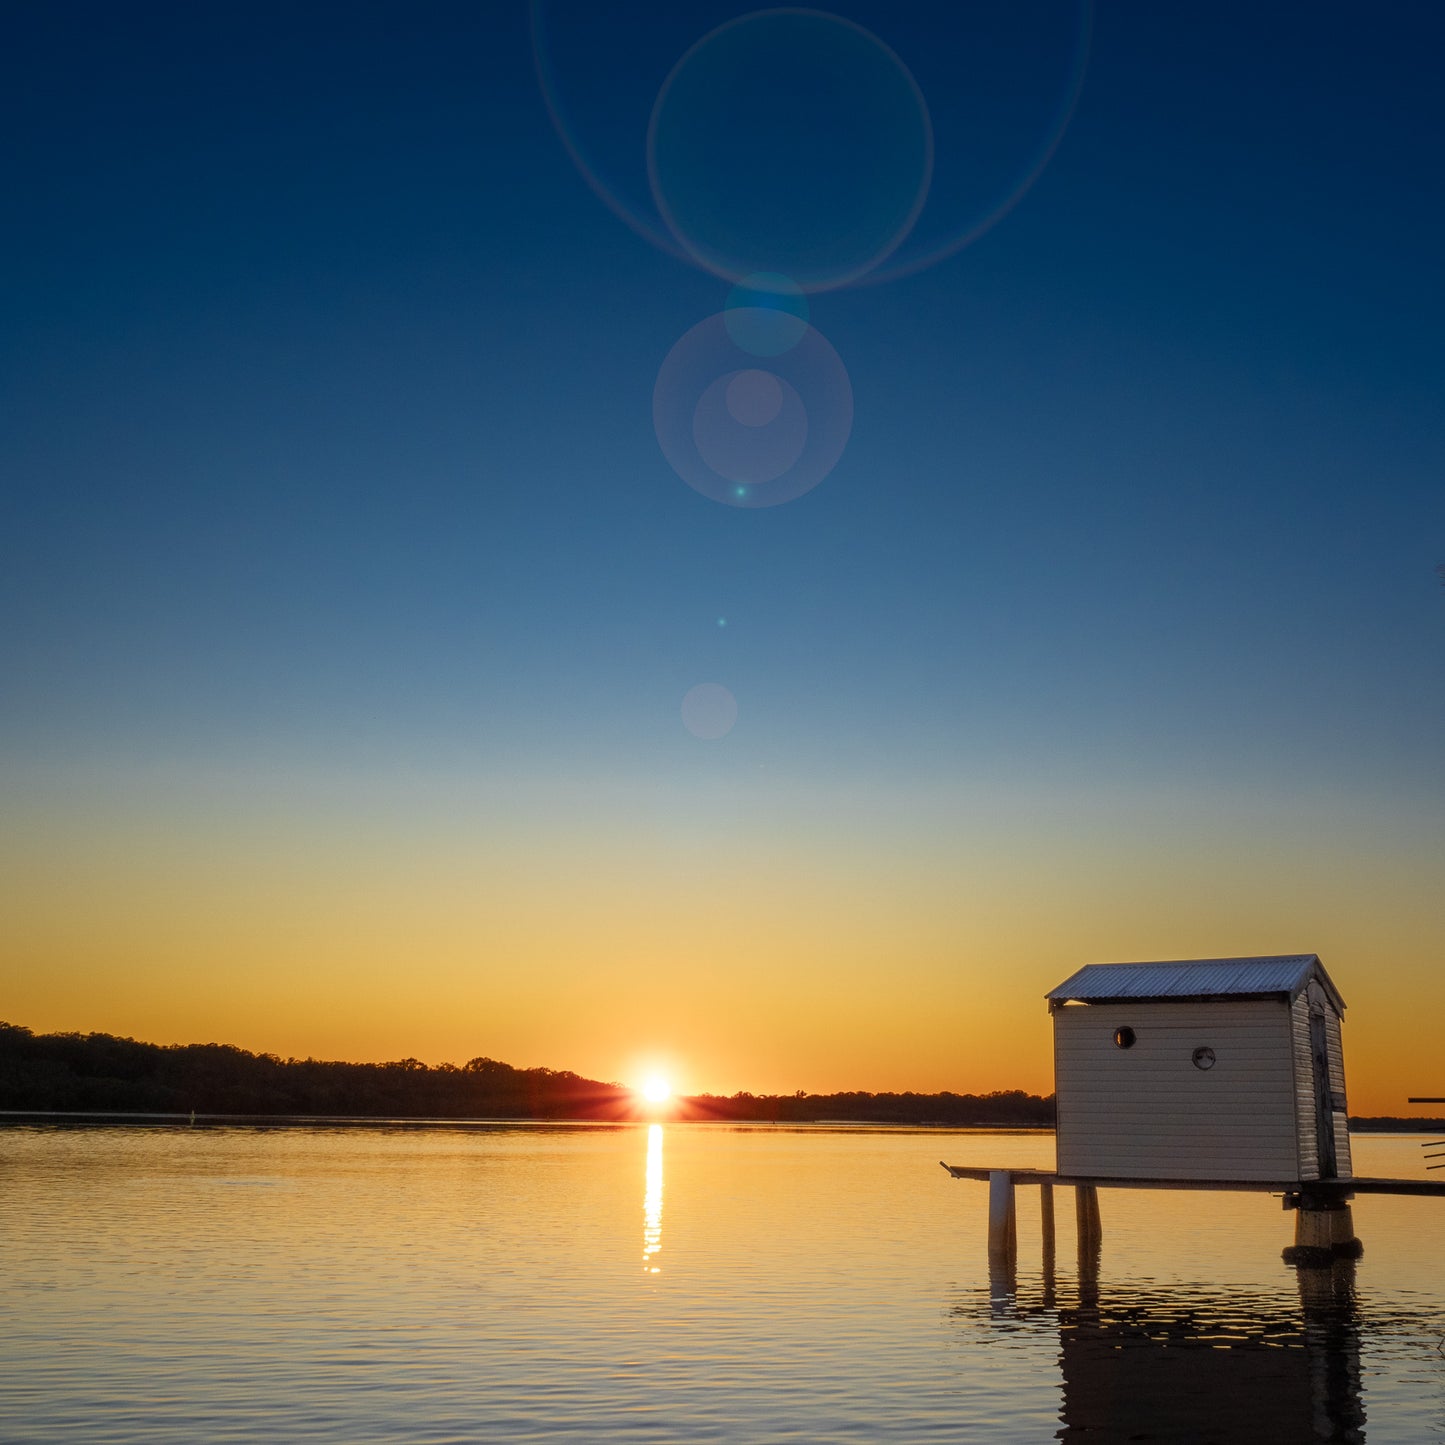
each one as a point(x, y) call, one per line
point(1312, 969)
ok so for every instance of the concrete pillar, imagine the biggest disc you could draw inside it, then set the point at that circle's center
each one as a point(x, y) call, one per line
point(1002, 1224)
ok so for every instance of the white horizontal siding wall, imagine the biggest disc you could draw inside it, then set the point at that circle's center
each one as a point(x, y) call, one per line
point(1147, 1113)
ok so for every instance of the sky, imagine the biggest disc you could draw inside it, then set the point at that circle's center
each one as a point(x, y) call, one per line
point(386, 458)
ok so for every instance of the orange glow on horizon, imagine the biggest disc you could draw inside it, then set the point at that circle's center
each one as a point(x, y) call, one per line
point(341, 923)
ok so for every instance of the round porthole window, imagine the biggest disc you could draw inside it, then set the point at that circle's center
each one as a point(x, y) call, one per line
point(1203, 1058)
point(1124, 1038)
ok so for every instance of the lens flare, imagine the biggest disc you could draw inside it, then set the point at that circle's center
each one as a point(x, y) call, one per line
point(749, 429)
point(709, 711)
point(708, 147)
point(736, 134)
point(766, 313)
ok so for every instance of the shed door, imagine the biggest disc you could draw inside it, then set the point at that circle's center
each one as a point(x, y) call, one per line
point(1324, 1103)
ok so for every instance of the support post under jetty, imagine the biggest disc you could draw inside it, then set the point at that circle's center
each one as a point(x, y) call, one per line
point(1324, 1222)
point(1046, 1224)
point(1002, 1221)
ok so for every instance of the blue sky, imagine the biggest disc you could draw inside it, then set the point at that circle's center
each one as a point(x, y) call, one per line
point(326, 447)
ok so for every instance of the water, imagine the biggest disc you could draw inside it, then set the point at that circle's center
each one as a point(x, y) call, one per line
point(678, 1283)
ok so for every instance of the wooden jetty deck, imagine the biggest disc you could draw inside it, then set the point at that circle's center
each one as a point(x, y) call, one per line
point(1260, 1186)
point(1324, 1227)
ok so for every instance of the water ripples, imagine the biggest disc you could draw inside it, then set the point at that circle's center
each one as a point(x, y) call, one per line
point(297, 1285)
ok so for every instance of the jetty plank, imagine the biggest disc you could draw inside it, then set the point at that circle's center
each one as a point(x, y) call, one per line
point(1261, 1186)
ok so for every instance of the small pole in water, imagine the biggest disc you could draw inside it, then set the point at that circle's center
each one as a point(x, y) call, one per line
point(1046, 1224)
point(1089, 1230)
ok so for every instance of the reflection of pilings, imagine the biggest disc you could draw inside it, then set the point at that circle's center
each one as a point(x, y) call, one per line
point(1202, 1363)
point(1046, 1231)
point(1328, 1292)
point(1327, 1295)
point(1003, 1285)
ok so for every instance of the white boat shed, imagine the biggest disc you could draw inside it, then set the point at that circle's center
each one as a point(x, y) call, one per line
point(1207, 1069)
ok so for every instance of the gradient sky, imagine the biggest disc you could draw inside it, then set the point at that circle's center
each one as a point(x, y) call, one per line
point(349, 602)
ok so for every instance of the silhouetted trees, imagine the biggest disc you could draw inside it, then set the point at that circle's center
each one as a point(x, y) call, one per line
point(1001, 1109)
point(99, 1073)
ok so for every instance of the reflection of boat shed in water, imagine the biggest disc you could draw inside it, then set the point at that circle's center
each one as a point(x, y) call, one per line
point(1206, 1369)
point(1228, 1069)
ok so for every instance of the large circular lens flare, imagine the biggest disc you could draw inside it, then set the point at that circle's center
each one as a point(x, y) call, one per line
point(794, 140)
point(790, 140)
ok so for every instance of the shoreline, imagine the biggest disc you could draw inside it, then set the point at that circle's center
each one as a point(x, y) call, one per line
point(120, 1118)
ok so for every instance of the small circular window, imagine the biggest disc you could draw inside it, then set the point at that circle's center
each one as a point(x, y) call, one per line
point(1124, 1038)
point(1203, 1058)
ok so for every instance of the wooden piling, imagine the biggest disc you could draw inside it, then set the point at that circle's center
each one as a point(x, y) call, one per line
point(1046, 1231)
point(1002, 1222)
point(1090, 1233)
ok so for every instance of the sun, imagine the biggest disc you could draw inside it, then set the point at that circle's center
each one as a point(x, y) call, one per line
point(657, 1090)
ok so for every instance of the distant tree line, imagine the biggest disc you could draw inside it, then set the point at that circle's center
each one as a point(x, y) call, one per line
point(1002, 1109)
point(100, 1073)
point(1395, 1124)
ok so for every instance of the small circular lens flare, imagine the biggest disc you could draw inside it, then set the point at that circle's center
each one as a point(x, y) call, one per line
point(750, 427)
point(754, 397)
point(709, 711)
point(748, 434)
point(657, 1090)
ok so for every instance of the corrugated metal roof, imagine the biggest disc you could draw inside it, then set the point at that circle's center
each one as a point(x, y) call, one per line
point(1194, 978)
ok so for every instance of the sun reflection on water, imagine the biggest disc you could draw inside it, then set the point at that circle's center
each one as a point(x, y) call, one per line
point(652, 1202)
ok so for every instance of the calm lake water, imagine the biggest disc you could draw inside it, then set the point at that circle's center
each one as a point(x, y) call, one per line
point(678, 1282)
